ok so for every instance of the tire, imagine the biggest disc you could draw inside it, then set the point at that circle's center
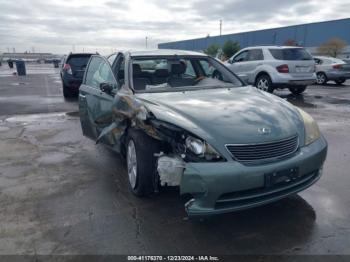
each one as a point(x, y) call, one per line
point(141, 162)
point(297, 90)
point(321, 78)
point(66, 92)
point(263, 82)
point(340, 81)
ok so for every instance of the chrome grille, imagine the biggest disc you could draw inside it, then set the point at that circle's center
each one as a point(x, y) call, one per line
point(264, 151)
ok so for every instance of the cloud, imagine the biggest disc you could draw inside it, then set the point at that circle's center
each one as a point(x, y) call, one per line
point(56, 26)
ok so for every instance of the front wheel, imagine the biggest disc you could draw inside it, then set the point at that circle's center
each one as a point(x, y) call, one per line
point(264, 83)
point(141, 162)
point(297, 90)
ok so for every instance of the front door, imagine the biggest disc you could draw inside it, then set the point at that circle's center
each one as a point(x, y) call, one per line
point(238, 63)
point(95, 105)
point(254, 60)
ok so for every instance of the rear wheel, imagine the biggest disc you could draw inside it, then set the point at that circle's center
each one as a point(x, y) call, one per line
point(263, 82)
point(297, 90)
point(66, 92)
point(321, 78)
point(141, 162)
point(340, 81)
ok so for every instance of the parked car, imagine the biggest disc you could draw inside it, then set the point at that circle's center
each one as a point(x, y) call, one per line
point(271, 67)
point(72, 72)
point(227, 145)
point(331, 69)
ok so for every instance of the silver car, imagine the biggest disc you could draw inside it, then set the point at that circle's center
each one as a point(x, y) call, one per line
point(331, 69)
point(271, 67)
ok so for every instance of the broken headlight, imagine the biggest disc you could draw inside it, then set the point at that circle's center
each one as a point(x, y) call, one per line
point(195, 145)
point(312, 133)
point(201, 149)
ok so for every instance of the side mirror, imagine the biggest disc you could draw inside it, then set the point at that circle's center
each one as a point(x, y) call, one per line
point(107, 88)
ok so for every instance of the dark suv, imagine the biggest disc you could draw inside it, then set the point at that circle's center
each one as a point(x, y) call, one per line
point(72, 72)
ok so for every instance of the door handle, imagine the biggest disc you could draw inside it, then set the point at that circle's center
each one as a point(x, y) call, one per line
point(82, 96)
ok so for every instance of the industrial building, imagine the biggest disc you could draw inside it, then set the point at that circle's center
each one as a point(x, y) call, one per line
point(310, 36)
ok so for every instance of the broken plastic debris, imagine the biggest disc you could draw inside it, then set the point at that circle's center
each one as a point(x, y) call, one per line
point(170, 170)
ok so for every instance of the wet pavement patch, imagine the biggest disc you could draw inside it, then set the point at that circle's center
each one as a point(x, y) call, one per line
point(19, 84)
point(52, 158)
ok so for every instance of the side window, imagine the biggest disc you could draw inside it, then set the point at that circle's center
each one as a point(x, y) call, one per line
point(189, 69)
point(255, 55)
point(111, 58)
point(207, 68)
point(105, 73)
point(318, 61)
point(210, 70)
point(98, 72)
point(94, 65)
point(241, 57)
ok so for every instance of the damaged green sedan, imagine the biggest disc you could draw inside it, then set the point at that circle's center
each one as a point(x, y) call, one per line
point(183, 119)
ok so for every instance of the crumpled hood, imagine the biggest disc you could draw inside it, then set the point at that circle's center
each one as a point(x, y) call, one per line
point(226, 116)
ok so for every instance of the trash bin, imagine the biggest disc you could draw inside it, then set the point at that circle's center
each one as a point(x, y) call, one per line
point(21, 67)
point(56, 63)
point(10, 63)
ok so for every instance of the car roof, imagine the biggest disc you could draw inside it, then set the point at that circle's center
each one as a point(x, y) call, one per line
point(77, 54)
point(328, 57)
point(165, 52)
point(273, 46)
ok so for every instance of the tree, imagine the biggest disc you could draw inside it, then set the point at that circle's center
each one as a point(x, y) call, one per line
point(333, 47)
point(212, 50)
point(230, 48)
point(290, 42)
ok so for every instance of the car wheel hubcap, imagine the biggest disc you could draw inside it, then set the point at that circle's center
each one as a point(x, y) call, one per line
point(320, 78)
point(132, 164)
point(263, 84)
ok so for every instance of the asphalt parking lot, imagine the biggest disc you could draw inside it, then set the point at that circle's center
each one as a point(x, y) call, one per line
point(62, 194)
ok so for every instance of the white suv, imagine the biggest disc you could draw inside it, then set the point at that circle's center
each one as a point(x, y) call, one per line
point(271, 67)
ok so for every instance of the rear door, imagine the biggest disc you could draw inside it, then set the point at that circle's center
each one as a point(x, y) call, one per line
point(95, 105)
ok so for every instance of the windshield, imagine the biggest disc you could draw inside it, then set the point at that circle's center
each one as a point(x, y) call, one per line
point(153, 74)
point(290, 54)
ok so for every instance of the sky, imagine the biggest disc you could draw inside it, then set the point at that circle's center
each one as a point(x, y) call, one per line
point(60, 26)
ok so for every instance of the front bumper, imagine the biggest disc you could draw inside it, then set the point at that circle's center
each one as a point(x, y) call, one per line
point(231, 186)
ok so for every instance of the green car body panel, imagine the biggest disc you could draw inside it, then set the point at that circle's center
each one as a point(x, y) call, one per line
point(219, 116)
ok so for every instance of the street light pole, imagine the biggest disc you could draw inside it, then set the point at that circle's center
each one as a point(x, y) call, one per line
point(220, 27)
point(146, 41)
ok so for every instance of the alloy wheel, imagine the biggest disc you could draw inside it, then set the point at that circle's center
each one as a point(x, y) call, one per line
point(321, 78)
point(263, 84)
point(132, 164)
